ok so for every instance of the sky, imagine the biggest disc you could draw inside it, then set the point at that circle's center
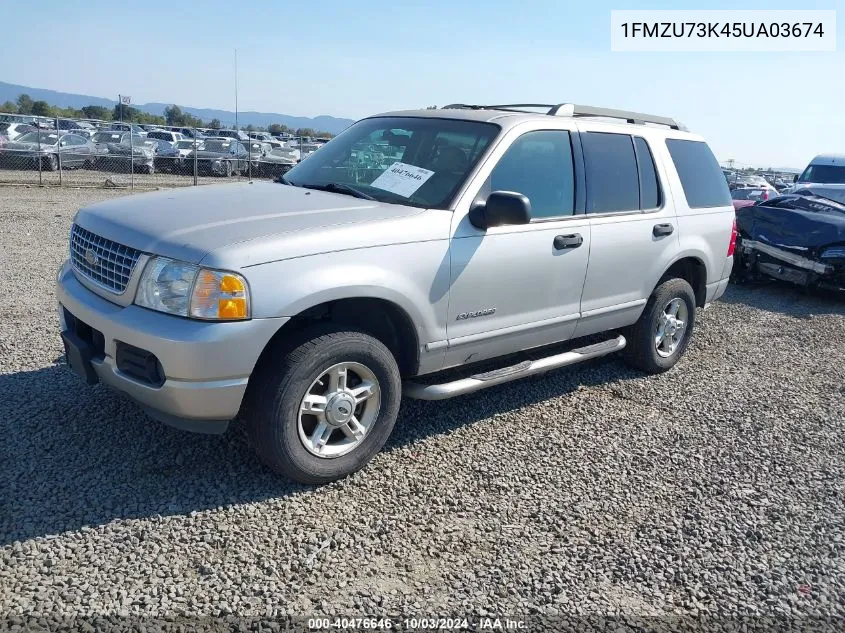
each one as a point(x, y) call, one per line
point(353, 59)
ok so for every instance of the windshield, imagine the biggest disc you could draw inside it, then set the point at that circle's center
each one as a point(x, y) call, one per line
point(106, 137)
point(217, 146)
point(416, 161)
point(187, 144)
point(34, 137)
point(828, 174)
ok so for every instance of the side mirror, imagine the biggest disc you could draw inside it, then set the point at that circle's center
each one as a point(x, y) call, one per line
point(501, 208)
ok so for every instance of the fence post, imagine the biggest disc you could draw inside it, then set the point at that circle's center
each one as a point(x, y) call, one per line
point(196, 145)
point(59, 149)
point(38, 158)
point(131, 158)
point(249, 160)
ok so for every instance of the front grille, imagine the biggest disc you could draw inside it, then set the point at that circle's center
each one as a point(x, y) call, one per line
point(113, 263)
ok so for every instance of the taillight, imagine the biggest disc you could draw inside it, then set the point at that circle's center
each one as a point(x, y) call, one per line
point(765, 196)
point(732, 245)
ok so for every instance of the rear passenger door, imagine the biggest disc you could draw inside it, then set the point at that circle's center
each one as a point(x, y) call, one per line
point(634, 230)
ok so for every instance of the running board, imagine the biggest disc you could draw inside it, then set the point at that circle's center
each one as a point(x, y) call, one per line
point(520, 370)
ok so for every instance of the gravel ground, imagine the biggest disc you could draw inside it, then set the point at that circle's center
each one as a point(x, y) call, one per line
point(716, 488)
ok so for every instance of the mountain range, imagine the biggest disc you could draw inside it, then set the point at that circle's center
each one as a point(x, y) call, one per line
point(323, 123)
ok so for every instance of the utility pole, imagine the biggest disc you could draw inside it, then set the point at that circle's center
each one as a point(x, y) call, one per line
point(236, 88)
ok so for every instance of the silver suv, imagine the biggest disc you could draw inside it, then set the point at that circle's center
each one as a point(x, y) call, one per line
point(479, 239)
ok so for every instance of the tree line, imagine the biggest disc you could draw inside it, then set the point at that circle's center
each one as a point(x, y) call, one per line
point(173, 116)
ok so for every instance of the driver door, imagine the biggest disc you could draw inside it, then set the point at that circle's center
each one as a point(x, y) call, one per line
point(518, 287)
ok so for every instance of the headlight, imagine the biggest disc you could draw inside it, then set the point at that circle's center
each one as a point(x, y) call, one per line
point(188, 290)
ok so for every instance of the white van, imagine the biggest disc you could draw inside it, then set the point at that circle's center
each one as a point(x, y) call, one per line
point(824, 169)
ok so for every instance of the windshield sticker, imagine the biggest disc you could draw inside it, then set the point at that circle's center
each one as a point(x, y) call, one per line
point(402, 179)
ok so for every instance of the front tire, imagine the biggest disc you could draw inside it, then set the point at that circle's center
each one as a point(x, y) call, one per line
point(656, 342)
point(322, 405)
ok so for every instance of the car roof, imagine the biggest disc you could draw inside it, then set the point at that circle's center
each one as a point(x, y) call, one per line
point(829, 159)
point(511, 118)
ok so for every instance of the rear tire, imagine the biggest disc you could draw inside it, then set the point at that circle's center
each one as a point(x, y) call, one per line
point(52, 163)
point(301, 375)
point(653, 342)
point(227, 169)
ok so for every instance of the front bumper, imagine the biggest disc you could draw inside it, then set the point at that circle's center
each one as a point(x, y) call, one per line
point(206, 365)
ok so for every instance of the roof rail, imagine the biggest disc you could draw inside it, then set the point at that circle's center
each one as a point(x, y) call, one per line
point(573, 110)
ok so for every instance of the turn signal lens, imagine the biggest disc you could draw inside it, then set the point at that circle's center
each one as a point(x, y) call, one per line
point(220, 295)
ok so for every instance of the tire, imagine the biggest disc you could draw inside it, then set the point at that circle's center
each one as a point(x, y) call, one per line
point(283, 434)
point(227, 169)
point(149, 169)
point(52, 163)
point(642, 350)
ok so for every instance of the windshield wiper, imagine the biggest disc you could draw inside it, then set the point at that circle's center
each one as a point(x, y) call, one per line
point(339, 187)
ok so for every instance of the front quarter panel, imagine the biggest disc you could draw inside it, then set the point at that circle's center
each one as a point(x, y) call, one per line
point(413, 276)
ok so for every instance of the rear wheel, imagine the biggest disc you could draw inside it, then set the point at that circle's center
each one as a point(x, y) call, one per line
point(227, 169)
point(51, 163)
point(658, 340)
point(321, 406)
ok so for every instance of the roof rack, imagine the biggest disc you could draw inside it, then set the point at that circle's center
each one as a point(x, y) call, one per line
point(573, 110)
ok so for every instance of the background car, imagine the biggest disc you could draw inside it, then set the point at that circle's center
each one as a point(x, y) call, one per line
point(12, 130)
point(277, 162)
point(166, 135)
point(221, 156)
point(235, 134)
point(747, 196)
point(128, 127)
point(141, 150)
point(48, 148)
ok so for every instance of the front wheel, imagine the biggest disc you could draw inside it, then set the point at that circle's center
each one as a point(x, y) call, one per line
point(660, 337)
point(321, 406)
point(52, 162)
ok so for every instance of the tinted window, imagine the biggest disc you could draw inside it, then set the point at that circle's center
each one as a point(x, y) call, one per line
point(701, 177)
point(539, 165)
point(612, 177)
point(649, 187)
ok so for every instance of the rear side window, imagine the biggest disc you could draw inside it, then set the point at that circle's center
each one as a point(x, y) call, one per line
point(701, 177)
point(612, 175)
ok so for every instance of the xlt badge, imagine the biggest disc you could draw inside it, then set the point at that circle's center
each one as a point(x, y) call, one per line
point(473, 315)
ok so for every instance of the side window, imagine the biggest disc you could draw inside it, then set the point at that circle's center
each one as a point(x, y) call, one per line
point(539, 166)
point(612, 176)
point(649, 185)
point(700, 174)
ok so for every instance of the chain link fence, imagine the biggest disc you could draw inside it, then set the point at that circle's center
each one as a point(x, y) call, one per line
point(80, 153)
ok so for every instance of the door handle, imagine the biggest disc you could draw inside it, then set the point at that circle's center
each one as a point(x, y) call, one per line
point(573, 240)
point(661, 230)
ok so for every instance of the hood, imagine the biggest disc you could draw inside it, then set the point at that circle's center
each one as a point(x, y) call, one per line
point(189, 223)
point(799, 223)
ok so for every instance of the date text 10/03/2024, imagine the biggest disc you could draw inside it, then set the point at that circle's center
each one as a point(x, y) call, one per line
point(418, 624)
